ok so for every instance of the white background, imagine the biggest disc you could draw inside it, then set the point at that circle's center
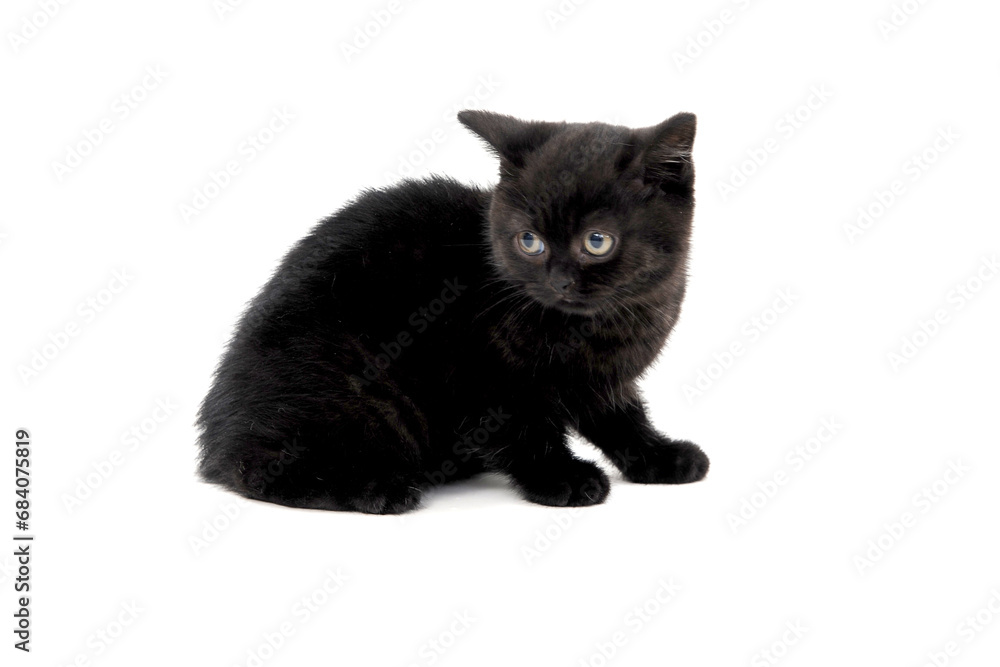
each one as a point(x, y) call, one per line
point(536, 585)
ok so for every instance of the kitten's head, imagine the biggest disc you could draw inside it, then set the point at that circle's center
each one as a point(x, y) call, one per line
point(589, 217)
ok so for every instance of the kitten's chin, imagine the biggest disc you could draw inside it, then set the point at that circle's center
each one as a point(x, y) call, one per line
point(571, 307)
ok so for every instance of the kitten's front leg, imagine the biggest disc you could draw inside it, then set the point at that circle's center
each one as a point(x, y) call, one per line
point(535, 455)
point(623, 432)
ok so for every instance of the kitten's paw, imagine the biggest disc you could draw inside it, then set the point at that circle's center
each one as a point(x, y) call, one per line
point(669, 462)
point(393, 496)
point(574, 484)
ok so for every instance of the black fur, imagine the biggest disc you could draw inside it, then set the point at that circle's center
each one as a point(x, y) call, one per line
point(409, 341)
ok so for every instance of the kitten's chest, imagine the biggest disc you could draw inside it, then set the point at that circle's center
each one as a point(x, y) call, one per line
point(572, 351)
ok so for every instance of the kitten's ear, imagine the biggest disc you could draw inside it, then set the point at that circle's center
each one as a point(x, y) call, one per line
point(666, 151)
point(512, 139)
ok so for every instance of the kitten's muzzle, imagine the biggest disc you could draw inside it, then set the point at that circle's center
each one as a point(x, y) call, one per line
point(562, 285)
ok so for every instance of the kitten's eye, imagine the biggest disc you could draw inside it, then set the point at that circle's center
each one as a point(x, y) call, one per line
point(530, 243)
point(598, 243)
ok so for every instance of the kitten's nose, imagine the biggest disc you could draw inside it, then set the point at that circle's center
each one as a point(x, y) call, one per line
point(561, 283)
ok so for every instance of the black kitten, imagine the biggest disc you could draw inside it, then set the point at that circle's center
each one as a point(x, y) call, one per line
point(432, 331)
